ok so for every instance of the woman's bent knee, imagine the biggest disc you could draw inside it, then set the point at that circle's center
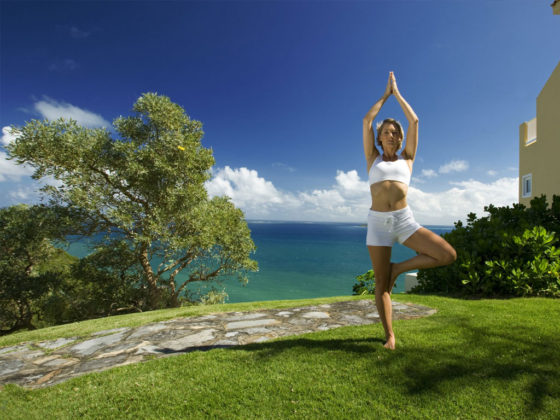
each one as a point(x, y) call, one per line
point(449, 256)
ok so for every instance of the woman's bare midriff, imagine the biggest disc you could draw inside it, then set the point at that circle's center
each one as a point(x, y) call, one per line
point(388, 196)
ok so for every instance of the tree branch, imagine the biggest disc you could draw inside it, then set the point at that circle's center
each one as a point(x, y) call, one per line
point(188, 257)
point(122, 189)
point(193, 276)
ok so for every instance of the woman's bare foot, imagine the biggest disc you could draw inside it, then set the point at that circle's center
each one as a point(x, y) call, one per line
point(390, 344)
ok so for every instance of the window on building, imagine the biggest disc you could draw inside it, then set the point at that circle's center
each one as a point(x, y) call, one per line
point(527, 185)
point(531, 132)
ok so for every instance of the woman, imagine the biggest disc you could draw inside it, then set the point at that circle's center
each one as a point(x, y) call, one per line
point(390, 219)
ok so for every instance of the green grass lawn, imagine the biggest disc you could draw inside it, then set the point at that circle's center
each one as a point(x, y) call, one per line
point(474, 359)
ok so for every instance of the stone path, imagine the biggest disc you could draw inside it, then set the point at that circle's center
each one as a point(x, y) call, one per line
point(45, 363)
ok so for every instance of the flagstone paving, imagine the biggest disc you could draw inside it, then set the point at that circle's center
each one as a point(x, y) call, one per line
point(40, 364)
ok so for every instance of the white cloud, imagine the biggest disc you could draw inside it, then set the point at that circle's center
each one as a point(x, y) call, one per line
point(24, 194)
point(492, 172)
point(348, 198)
point(417, 180)
point(9, 170)
point(52, 110)
point(454, 166)
point(255, 195)
point(8, 135)
point(447, 207)
point(259, 199)
point(429, 173)
point(350, 184)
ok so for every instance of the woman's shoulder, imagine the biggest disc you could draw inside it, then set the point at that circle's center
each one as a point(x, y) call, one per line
point(404, 156)
point(372, 159)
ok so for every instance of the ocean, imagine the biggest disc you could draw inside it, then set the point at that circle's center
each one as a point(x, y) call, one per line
point(300, 260)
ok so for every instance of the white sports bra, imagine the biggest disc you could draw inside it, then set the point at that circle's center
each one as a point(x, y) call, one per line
point(397, 170)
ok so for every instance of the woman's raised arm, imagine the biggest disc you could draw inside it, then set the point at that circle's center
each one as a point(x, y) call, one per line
point(370, 150)
point(411, 144)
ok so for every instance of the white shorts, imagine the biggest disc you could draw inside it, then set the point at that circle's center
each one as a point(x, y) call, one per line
point(384, 228)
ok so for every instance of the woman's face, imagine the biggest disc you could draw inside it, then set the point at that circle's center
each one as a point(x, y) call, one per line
point(390, 136)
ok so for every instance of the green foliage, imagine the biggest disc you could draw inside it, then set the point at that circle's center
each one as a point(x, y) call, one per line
point(511, 252)
point(26, 235)
point(534, 269)
point(42, 285)
point(214, 297)
point(144, 190)
point(365, 284)
point(104, 283)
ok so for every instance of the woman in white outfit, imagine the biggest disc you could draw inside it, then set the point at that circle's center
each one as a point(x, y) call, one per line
point(390, 219)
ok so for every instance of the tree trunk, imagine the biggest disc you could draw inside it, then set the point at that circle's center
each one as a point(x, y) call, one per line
point(25, 317)
point(174, 302)
point(153, 290)
point(174, 295)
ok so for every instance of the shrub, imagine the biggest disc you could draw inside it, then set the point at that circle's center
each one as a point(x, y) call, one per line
point(512, 251)
point(536, 268)
point(365, 285)
point(103, 283)
point(26, 244)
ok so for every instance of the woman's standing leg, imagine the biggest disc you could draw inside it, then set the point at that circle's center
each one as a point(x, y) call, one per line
point(381, 262)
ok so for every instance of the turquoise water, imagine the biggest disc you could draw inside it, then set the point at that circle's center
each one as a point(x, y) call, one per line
point(300, 260)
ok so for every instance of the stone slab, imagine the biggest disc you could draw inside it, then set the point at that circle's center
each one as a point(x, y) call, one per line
point(42, 360)
point(319, 315)
point(189, 341)
point(27, 365)
point(249, 324)
point(31, 354)
point(114, 330)
point(284, 313)
point(53, 344)
point(127, 347)
point(61, 362)
point(99, 364)
point(7, 367)
point(91, 346)
point(10, 349)
point(353, 319)
point(150, 349)
point(147, 329)
point(244, 317)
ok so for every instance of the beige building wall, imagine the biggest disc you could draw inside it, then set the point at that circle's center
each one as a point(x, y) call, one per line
point(539, 160)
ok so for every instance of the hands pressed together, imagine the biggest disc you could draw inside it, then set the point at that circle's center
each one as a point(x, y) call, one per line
point(391, 88)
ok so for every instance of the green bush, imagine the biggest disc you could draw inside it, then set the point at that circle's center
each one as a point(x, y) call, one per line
point(365, 284)
point(535, 271)
point(26, 236)
point(511, 252)
point(103, 283)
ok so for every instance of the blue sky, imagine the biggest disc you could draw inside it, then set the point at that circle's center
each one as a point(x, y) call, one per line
point(282, 87)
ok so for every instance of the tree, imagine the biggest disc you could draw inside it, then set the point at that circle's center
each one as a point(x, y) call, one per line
point(144, 189)
point(101, 284)
point(26, 235)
